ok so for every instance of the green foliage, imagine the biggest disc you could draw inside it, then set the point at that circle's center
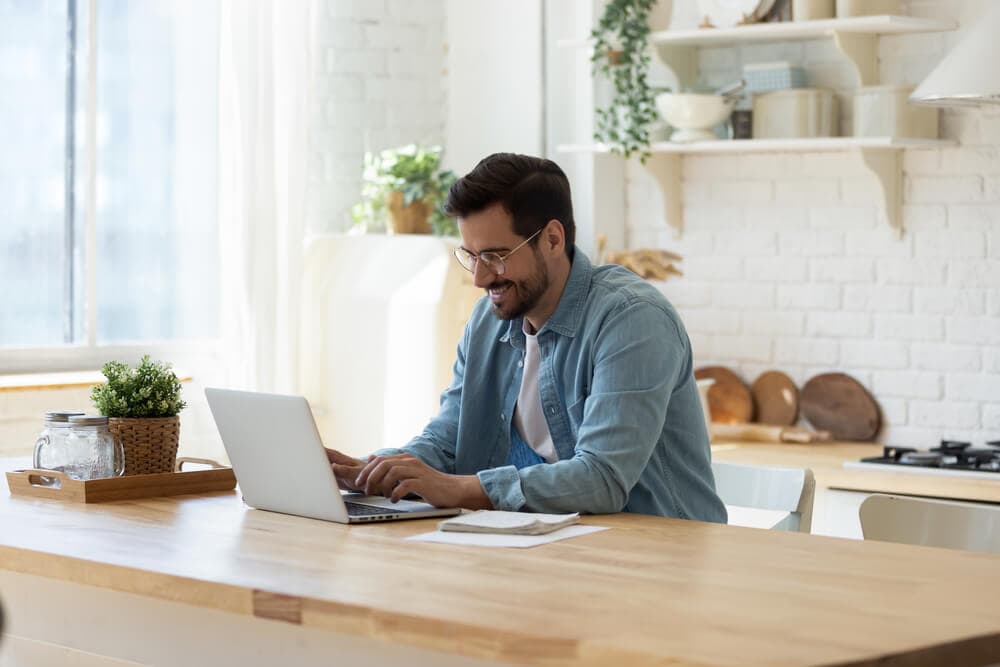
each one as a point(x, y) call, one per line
point(621, 54)
point(150, 389)
point(414, 171)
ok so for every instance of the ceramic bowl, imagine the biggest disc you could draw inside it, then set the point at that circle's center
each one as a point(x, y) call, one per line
point(693, 115)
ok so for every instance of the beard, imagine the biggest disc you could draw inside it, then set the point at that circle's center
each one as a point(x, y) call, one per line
point(521, 295)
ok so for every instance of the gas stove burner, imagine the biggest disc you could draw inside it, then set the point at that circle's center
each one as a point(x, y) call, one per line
point(921, 458)
point(952, 447)
point(953, 456)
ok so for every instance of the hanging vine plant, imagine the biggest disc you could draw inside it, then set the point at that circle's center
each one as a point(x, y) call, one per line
point(621, 54)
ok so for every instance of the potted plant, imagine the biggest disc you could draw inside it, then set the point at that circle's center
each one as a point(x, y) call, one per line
point(621, 53)
point(402, 192)
point(142, 404)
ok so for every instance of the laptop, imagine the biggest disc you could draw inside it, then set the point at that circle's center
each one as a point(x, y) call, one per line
point(281, 466)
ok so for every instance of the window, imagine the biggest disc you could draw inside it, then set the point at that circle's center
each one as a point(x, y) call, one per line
point(108, 173)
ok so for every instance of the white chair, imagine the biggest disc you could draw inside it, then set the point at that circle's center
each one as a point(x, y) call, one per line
point(765, 497)
point(934, 523)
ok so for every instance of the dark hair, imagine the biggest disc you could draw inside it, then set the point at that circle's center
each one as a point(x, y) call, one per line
point(532, 190)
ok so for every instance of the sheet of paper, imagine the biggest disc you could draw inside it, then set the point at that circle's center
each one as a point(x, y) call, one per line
point(495, 540)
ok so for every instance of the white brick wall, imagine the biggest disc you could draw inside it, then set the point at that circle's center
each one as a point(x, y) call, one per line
point(379, 82)
point(792, 269)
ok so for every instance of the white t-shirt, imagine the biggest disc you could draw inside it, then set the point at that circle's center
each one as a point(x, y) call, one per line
point(529, 419)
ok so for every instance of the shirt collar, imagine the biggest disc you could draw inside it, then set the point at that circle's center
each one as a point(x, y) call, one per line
point(566, 319)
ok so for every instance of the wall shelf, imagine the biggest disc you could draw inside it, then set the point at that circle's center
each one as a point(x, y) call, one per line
point(797, 30)
point(854, 37)
point(879, 156)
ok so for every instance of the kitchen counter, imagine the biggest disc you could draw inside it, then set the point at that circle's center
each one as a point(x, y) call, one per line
point(647, 591)
point(826, 459)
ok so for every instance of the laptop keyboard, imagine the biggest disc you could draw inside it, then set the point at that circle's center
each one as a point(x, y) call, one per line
point(357, 509)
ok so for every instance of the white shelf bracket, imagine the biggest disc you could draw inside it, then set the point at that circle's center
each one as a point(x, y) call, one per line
point(666, 169)
point(886, 165)
point(860, 49)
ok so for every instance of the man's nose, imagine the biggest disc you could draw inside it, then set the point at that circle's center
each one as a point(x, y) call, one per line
point(482, 275)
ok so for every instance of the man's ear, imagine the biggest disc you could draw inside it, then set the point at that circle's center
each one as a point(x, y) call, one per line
point(554, 237)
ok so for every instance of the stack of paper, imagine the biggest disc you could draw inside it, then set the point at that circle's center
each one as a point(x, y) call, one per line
point(508, 523)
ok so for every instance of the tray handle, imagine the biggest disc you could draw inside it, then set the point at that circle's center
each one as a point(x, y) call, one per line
point(179, 465)
point(44, 479)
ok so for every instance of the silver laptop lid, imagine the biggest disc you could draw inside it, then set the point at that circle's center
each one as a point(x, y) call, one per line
point(276, 453)
point(279, 461)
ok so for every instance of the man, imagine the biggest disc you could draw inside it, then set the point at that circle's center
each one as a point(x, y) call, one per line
point(573, 388)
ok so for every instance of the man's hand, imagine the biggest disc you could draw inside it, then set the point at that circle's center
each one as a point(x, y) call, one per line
point(345, 468)
point(397, 475)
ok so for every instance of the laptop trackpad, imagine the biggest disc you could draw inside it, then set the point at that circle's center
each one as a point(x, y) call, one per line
point(380, 501)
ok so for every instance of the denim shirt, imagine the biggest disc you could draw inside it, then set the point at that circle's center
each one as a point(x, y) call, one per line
point(618, 392)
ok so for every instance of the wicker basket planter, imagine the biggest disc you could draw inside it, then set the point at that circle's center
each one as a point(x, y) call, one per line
point(410, 219)
point(150, 443)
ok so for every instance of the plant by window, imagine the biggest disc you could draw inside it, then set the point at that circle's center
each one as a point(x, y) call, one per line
point(150, 389)
point(413, 170)
point(621, 54)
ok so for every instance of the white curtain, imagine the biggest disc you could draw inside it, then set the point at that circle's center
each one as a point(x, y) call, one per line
point(265, 65)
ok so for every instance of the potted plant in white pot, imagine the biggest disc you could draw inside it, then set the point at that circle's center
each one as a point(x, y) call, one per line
point(143, 405)
point(402, 192)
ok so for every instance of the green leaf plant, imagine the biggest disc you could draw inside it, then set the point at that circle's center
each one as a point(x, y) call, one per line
point(621, 54)
point(150, 389)
point(413, 170)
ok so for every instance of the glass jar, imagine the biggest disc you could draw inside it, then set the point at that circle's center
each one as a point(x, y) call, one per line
point(94, 452)
point(50, 447)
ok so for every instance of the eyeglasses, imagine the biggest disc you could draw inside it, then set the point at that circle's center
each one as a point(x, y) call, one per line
point(493, 261)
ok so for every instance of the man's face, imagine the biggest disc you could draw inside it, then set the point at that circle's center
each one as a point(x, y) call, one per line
point(525, 279)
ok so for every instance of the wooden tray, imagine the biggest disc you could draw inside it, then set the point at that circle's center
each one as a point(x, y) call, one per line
point(31, 483)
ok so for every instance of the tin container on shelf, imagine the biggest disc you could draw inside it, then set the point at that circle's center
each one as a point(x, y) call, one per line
point(765, 77)
point(813, 10)
point(847, 8)
point(795, 114)
point(885, 111)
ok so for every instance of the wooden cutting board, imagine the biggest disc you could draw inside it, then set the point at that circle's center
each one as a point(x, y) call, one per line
point(729, 399)
point(838, 403)
point(775, 399)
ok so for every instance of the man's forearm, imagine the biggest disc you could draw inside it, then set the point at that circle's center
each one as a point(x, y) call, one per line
point(473, 496)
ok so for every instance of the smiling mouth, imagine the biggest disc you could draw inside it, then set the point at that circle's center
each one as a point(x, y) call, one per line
point(497, 292)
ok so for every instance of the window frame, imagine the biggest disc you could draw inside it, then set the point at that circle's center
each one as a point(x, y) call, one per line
point(89, 354)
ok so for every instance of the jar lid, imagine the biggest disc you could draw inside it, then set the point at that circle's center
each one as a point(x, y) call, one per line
point(61, 415)
point(88, 420)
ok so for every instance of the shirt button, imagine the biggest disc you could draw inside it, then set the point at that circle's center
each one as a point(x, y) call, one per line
point(520, 364)
point(501, 417)
point(552, 409)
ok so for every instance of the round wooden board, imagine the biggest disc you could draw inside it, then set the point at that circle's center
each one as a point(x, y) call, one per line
point(775, 399)
point(729, 399)
point(838, 403)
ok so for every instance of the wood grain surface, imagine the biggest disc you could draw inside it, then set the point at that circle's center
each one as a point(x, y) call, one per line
point(650, 591)
point(729, 399)
point(775, 399)
point(838, 403)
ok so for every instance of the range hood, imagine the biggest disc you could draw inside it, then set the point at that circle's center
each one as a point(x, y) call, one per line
point(969, 75)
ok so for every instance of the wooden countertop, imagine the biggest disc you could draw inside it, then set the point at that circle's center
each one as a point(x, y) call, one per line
point(826, 459)
point(648, 591)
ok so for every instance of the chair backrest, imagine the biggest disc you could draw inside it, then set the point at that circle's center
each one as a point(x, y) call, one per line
point(934, 523)
point(759, 487)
